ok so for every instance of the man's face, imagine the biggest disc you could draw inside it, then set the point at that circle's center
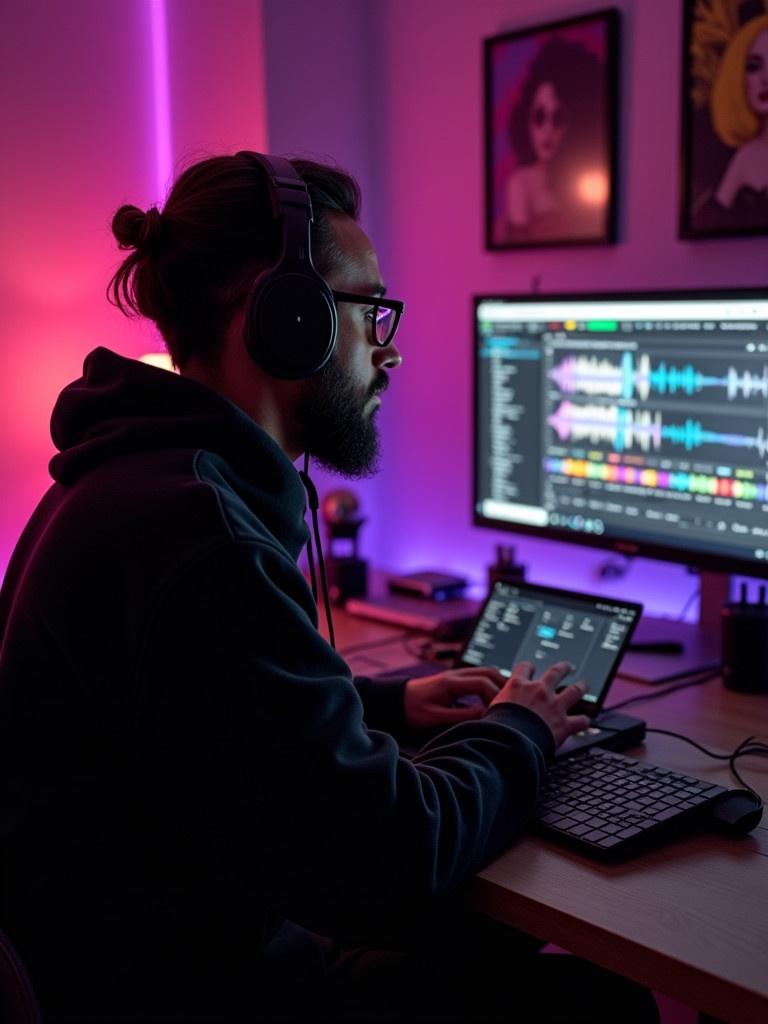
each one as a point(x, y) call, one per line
point(337, 412)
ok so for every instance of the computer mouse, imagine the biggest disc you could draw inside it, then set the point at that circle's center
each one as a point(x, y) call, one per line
point(736, 813)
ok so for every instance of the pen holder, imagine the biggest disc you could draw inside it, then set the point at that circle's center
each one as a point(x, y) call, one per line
point(505, 569)
point(744, 638)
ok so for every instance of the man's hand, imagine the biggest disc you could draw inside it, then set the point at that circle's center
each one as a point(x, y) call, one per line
point(539, 695)
point(430, 700)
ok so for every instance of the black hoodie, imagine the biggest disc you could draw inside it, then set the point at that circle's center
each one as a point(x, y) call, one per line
point(185, 762)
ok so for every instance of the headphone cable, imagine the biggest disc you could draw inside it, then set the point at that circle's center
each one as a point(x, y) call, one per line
point(314, 505)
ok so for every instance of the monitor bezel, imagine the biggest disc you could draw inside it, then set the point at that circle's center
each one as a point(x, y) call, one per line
point(639, 548)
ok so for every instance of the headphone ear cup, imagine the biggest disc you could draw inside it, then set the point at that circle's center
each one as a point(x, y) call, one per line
point(291, 324)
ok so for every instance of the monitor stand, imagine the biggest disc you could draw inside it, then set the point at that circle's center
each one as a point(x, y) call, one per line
point(699, 642)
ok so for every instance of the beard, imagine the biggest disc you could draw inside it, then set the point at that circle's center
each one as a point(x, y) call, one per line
point(337, 431)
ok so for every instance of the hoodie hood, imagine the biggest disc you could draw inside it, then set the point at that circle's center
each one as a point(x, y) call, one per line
point(121, 406)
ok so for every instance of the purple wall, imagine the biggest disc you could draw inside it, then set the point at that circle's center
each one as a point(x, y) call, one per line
point(426, 165)
point(321, 104)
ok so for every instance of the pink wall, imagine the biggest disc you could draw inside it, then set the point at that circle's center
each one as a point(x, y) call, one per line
point(78, 118)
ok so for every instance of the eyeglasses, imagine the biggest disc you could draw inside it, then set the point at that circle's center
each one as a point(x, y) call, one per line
point(384, 315)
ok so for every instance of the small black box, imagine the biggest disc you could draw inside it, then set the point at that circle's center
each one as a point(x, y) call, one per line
point(434, 586)
point(347, 577)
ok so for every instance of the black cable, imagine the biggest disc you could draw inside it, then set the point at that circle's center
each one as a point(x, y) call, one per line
point(311, 560)
point(323, 580)
point(709, 666)
point(758, 749)
point(367, 645)
point(304, 475)
point(314, 505)
point(667, 689)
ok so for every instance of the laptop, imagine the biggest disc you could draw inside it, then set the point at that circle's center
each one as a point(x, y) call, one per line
point(522, 621)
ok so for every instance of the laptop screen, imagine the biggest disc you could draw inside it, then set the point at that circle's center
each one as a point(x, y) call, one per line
point(524, 622)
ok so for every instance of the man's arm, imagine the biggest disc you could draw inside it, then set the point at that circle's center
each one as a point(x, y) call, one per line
point(257, 730)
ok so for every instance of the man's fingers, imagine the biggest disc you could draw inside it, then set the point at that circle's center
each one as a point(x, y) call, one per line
point(571, 695)
point(524, 670)
point(556, 673)
point(577, 723)
point(482, 670)
point(480, 685)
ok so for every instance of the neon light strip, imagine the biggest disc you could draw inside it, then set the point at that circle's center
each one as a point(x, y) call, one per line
point(161, 96)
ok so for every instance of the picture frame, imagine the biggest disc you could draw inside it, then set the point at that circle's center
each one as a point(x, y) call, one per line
point(551, 109)
point(724, 143)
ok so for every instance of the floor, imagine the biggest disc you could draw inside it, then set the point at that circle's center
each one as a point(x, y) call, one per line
point(670, 1010)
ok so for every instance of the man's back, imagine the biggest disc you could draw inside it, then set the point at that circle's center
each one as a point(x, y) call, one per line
point(184, 760)
point(98, 856)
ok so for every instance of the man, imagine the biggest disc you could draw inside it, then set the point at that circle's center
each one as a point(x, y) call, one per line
point(194, 788)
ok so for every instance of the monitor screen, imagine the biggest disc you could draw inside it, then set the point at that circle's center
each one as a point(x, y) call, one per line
point(637, 422)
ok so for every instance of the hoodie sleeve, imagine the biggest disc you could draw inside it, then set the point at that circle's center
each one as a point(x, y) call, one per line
point(256, 727)
point(383, 702)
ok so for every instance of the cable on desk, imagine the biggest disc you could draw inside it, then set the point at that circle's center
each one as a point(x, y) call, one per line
point(667, 689)
point(748, 747)
point(368, 645)
point(710, 666)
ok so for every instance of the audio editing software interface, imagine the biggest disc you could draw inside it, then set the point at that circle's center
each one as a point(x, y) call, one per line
point(638, 419)
point(525, 625)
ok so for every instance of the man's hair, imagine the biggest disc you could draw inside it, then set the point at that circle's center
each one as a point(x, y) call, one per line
point(193, 264)
point(733, 120)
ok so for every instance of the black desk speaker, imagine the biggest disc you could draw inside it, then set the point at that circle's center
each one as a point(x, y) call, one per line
point(745, 644)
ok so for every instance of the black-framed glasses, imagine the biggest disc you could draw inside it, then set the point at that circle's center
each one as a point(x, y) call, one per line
point(384, 318)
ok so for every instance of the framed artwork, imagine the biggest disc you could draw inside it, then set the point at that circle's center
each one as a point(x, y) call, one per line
point(725, 119)
point(550, 133)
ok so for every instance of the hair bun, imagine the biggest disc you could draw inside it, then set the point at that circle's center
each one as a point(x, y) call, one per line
point(135, 229)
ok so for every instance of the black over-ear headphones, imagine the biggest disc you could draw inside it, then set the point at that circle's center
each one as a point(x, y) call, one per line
point(291, 321)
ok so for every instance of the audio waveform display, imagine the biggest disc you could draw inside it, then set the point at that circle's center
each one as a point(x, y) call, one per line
point(626, 428)
point(593, 375)
point(659, 479)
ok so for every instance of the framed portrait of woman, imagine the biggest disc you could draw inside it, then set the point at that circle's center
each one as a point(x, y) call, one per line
point(725, 119)
point(550, 133)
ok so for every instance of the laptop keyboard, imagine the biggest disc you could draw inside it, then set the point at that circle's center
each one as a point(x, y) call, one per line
point(610, 806)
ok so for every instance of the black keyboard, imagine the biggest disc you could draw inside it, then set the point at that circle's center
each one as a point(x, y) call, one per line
point(610, 806)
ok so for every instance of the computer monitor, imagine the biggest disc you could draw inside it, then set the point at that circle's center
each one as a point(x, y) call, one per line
point(632, 421)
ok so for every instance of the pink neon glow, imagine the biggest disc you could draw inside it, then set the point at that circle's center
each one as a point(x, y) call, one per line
point(161, 96)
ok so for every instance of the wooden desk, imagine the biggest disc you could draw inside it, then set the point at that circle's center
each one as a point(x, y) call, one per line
point(689, 920)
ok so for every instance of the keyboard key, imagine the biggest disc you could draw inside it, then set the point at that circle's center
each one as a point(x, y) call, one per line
point(549, 818)
point(670, 812)
point(627, 833)
point(566, 824)
point(598, 822)
point(579, 830)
